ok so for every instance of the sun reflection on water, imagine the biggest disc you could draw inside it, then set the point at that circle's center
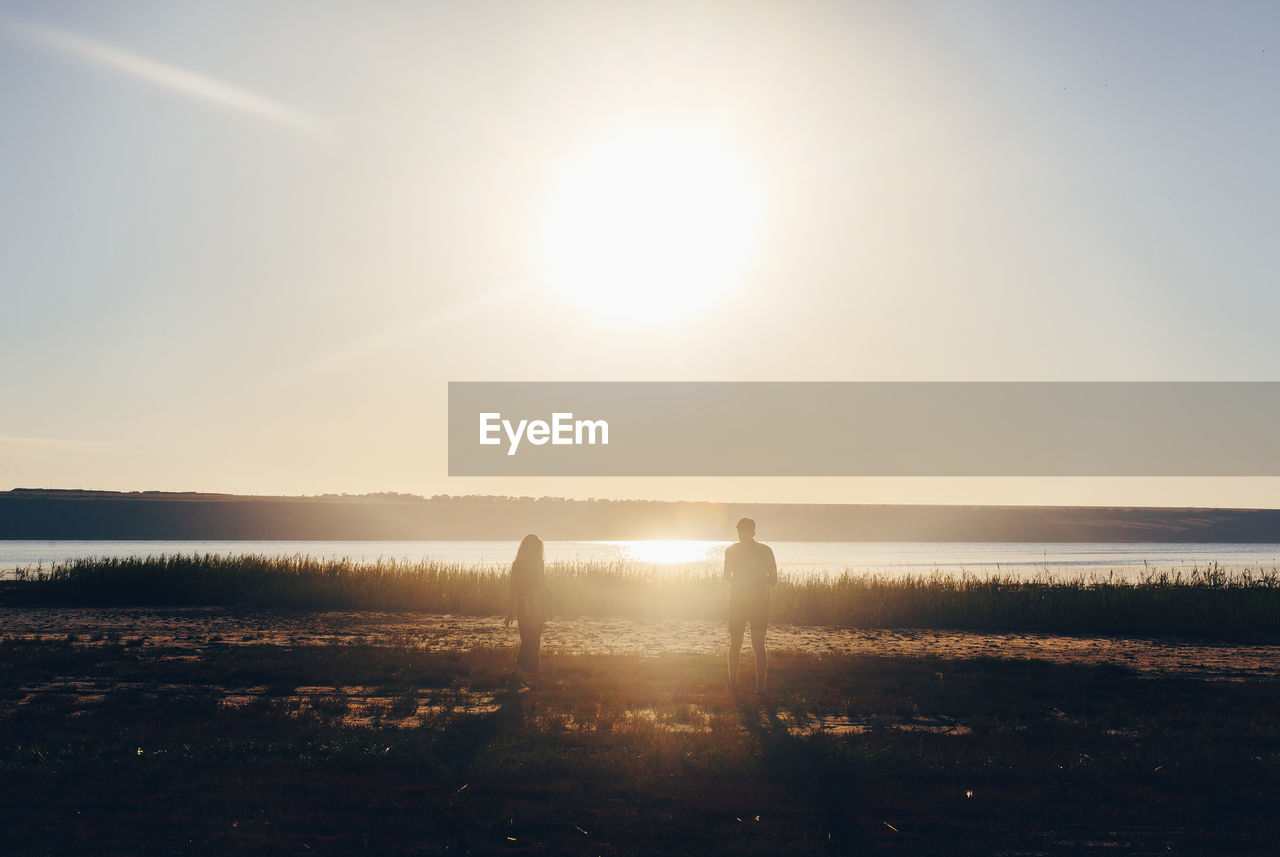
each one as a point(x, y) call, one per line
point(671, 551)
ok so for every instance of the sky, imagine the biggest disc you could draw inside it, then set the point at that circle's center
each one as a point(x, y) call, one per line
point(244, 247)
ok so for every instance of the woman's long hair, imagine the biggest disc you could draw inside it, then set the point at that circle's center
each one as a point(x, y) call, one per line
point(528, 567)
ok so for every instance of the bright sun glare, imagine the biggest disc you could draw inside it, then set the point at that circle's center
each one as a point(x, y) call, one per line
point(664, 551)
point(657, 223)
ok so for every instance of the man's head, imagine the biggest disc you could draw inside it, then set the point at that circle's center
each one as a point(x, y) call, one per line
point(746, 530)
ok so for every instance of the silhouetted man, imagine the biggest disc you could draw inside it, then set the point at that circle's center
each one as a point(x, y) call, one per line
point(750, 569)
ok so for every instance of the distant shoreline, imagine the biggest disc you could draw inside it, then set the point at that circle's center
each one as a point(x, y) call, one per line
point(74, 514)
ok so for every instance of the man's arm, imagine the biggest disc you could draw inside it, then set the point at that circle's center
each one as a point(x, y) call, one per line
point(773, 567)
point(728, 565)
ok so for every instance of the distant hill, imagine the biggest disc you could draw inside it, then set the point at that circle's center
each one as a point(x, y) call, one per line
point(47, 514)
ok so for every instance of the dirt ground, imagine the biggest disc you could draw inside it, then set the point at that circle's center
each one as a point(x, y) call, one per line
point(198, 628)
point(212, 731)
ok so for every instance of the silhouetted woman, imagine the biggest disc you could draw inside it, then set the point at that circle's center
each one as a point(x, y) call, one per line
point(528, 604)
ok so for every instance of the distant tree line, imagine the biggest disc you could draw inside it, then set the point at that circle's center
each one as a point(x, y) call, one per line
point(53, 514)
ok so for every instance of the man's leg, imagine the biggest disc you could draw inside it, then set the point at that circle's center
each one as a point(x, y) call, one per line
point(735, 652)
point(737, 627)
point(762, 656)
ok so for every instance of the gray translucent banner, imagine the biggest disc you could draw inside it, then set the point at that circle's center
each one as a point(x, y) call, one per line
point(864, 429)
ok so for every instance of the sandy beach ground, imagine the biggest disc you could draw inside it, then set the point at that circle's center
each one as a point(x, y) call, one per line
point(199, 628)
point(214, 731)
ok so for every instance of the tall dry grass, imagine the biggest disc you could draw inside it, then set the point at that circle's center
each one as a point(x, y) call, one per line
point(1209, 602)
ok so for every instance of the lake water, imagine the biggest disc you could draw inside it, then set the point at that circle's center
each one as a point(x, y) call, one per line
point(1021, 559)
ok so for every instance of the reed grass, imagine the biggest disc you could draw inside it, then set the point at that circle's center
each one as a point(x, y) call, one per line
point(1205, 602)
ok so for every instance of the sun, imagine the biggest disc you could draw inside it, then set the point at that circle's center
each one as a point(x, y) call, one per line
point(656, 222)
